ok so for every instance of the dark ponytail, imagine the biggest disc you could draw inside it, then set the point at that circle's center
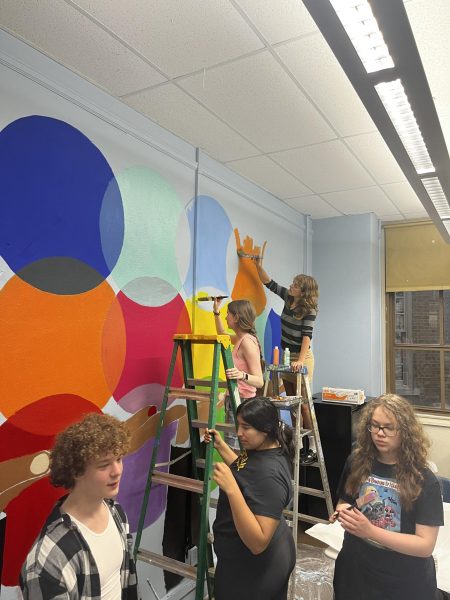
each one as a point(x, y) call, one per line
point(262, 414)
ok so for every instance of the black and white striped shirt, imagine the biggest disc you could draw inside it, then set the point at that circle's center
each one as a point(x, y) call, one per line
point(292, 329)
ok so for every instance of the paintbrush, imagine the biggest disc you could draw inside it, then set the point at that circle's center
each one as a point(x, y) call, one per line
point(243, 254)
point(210, 298)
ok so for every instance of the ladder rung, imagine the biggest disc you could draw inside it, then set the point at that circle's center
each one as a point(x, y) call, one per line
point(168, 564)
point(219, 426)
point(306, 518)
point(307, 491)
point(189, 394)
point(177, 481)
point(205, 382)
point(305, 432)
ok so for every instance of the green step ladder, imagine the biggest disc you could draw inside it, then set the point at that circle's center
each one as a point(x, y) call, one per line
point(200, 482)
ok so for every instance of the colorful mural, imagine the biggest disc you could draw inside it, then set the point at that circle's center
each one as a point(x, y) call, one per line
point(88, 312)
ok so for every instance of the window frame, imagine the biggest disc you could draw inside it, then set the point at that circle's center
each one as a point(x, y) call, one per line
point(392, 347)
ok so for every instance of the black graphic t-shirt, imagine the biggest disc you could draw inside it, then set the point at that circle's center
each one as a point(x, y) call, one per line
point(265, 481)
point(385, 510)
point(371, 572)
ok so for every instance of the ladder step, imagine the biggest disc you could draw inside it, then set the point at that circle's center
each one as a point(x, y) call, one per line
point(305, 432)
point(196, 395)
point(166, 563)
point(306, 518)
point(219, 426)
point(205, 382)
point(177, 481)
point(307, 491)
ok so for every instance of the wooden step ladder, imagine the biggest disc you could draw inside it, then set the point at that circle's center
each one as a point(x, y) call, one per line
point(293, 404)
point(200, 483)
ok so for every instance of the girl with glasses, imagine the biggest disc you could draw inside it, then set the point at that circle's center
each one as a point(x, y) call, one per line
point(388, 542)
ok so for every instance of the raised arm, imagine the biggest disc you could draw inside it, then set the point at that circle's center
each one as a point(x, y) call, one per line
point(218, 320)
point(264, 278)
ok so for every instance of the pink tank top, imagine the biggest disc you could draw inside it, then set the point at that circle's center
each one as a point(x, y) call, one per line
point(245, 389)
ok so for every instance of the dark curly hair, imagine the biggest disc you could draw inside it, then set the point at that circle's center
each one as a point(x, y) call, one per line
point(95, 436)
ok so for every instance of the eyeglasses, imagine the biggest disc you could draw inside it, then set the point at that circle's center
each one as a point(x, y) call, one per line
point(388, 430)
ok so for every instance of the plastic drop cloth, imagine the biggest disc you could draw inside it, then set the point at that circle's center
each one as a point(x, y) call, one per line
point(313, 574)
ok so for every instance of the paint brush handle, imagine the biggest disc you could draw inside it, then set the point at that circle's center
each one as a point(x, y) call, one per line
point(210, 298)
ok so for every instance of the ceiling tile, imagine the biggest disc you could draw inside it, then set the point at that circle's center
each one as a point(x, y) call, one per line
point(257, 98)
point(178, 37)
point(430, 22)
point(313, 206)
point(313, 64)
point(268, 175)
point(173, 109)
point(364, 200)
point(389, 218)
point(278, 21)
point(421, 214)
point(374, 153)
point(404, 197)
point(60, 31)
point(325, 167)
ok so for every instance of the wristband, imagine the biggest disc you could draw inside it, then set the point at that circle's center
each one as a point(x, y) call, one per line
point(244, 376)
point(216, 314)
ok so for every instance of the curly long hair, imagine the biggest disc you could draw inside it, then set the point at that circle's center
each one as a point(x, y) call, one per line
point(308, 301)
point(95, 436)
point(412, 452)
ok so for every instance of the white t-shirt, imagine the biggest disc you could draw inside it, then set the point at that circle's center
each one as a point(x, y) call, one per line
point(107, 550)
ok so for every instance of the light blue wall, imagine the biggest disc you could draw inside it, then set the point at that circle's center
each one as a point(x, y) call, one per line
point(347, 340)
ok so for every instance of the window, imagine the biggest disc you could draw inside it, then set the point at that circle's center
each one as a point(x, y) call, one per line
point(418, 336)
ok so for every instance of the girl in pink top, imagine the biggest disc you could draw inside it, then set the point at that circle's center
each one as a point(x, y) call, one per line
point(246, 352)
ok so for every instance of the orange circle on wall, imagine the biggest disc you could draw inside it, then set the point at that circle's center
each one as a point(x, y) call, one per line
point(53, 344)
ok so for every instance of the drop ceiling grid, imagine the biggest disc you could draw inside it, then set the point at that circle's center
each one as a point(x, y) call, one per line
point(317, 71)
point(278, 21)
point(179, 37)
point(325, 167)
point(72, 39)
point(270, 176)
point(175, 110)
point(315, 206)
point(256, 97)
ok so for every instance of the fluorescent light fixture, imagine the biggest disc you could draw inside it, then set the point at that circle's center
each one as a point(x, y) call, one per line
point(447, 225)
point(437, 196)
point(362, 28)
point(396, 103)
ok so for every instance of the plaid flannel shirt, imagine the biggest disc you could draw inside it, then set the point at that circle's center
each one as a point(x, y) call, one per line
point(60, 565)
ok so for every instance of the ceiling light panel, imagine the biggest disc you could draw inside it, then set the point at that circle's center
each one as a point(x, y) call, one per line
point(437, 196)
point(362, 28)
point(396, 103)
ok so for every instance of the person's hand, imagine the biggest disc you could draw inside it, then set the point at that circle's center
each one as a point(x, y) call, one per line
point(353, 521)
point(224, 478)
point(335, 515)
point(296, 365)
point(234, 374)
point(212, 434)
point(216, 304)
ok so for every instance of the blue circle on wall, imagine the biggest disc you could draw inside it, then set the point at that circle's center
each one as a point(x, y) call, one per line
point(60, 200)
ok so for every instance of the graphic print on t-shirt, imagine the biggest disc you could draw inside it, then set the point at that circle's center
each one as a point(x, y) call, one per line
point(384, 510)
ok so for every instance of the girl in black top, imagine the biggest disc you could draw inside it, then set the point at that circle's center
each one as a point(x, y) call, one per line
point(388, 543)
point(254, 546)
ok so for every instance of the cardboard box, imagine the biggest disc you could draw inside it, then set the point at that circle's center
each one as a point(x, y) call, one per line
point(330, 394)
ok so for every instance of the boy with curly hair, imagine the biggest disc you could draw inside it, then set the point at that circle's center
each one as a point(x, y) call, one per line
point(84, 549)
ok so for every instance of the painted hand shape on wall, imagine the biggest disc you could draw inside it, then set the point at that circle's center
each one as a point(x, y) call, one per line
point(247, 284)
